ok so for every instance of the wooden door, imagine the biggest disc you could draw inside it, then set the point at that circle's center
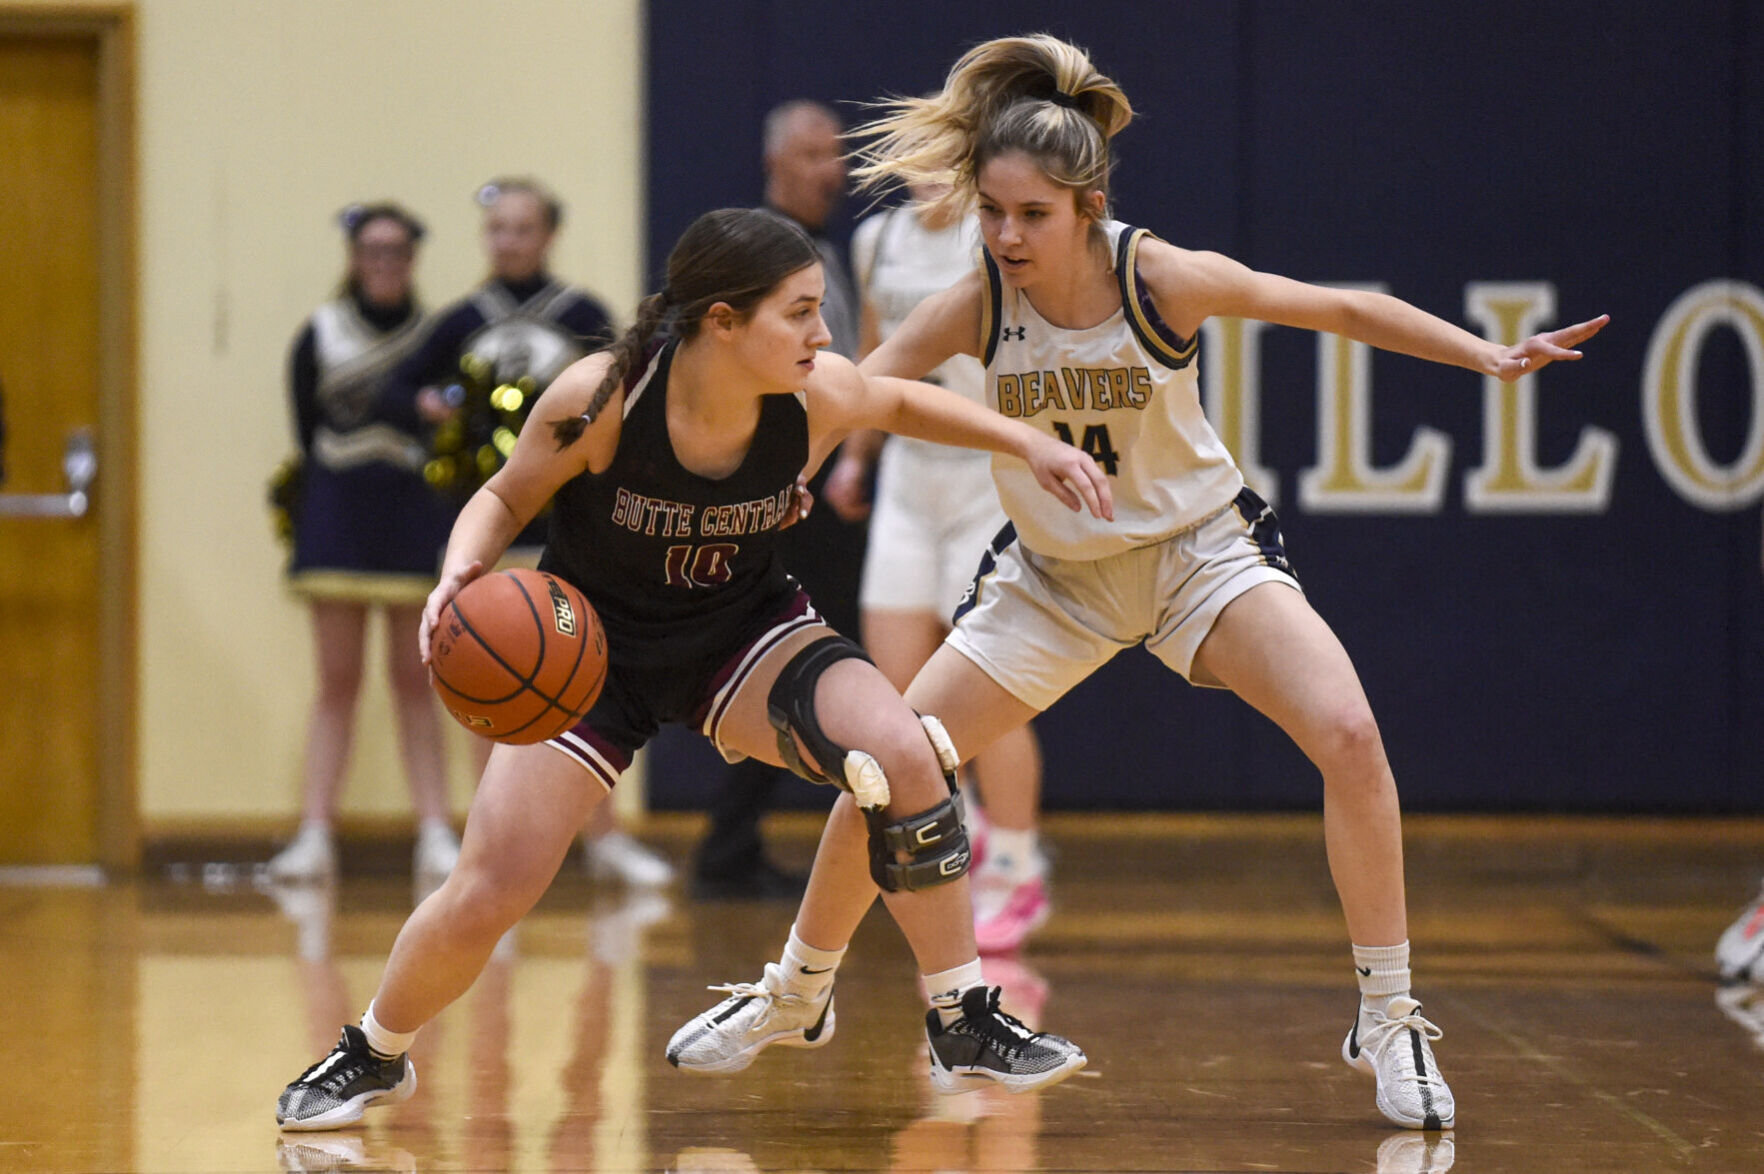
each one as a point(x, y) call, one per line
point(64, 750)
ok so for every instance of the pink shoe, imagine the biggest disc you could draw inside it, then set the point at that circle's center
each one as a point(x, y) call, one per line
point(1002, 926)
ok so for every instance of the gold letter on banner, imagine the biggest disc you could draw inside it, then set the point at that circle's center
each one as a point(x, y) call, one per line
point(1669, 395)
point(1509, 479)
point(1231, 393)
point(1344, 479)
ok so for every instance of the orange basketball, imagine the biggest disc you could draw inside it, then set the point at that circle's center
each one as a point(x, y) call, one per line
point(519, 656)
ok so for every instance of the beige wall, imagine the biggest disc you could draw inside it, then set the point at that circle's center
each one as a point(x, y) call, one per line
point(258, 120)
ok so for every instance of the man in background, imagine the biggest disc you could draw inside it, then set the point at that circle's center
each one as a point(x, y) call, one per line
point(805, 180)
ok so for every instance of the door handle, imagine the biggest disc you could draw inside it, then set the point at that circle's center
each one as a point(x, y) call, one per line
point(79, 465)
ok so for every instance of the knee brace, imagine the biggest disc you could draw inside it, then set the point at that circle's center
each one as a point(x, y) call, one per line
point(791, 707)
point(934, 841)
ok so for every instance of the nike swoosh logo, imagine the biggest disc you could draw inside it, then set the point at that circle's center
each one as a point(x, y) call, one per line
point(814, 1033)
point(822, 970)
point(1365, 971)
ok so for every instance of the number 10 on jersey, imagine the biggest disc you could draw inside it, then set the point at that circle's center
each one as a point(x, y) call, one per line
point(700, 566)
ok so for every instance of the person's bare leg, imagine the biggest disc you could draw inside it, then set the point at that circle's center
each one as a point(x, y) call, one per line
point(1008, 773)
point(1270, 648)
point(338, 632)
point(418, 715)
point(901, 643)
point(975, 709)
point(523, 819)
point(858, 708)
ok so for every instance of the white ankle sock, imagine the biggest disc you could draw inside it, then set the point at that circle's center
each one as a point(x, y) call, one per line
point(386, 1044)
point(948, 986)
point(807, 969)
point(1383, 972)
point(1013, 852)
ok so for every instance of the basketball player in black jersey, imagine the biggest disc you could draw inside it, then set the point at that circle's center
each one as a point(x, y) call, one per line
point(673, 468)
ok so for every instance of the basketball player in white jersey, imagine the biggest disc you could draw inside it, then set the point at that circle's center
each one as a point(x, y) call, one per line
point(935, 513)
point(1088, 328)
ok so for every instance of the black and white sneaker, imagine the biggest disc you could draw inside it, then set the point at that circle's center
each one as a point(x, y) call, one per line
point(333, 1092)
point(1394, 1047)
point(987, 1044)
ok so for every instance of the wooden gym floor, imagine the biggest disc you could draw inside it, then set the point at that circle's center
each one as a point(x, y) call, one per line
point(1201, 961)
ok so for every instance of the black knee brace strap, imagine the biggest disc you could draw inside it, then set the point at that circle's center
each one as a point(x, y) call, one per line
point(791, 707)
point(935, 843)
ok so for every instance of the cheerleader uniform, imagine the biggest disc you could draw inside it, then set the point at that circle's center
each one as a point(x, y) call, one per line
point(533, 328)
point(368, 527)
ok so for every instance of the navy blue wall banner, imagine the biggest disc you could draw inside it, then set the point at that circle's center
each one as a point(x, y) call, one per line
point(1552, 589)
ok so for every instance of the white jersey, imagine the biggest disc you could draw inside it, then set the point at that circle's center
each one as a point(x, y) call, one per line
point(1126, 391)
point(899, 263)
point(354, 358)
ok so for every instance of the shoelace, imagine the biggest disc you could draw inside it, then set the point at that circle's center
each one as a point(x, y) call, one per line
point(340, 1074)
point(1005, 1029)
point(758, 990)
point(1376, 1038)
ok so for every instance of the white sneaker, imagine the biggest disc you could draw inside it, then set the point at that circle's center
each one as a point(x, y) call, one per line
point(616, 856)
point(1394, 1050)
point(437, 851)
point(1411, 1153)
point(1740, 952)
point(754, 1016)
point(309, 858)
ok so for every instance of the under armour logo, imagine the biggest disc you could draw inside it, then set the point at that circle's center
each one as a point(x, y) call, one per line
point(1014, 333)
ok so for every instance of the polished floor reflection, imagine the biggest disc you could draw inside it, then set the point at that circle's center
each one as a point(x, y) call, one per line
point(1200, 961)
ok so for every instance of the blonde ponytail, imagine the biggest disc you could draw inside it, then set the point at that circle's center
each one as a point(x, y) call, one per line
point(1035, 93)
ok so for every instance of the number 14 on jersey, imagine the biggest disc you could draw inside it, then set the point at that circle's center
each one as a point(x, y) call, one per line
point(1096, 444)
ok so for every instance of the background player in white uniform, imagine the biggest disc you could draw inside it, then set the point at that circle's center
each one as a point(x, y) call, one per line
point(1191, 567)
point(935, 513)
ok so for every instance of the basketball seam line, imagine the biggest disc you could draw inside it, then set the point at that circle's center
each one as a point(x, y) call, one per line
point(526, 679)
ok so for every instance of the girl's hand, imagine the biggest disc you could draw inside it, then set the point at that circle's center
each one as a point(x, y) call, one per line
point(1540, 350)
point(439, 598)
point(1071, 476)
point(802, 500)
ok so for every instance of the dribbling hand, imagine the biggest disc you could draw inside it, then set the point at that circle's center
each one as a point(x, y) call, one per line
point(1540, 350)
point(439, 598)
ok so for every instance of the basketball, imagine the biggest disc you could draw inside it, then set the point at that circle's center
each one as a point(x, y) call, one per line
point(519, 656)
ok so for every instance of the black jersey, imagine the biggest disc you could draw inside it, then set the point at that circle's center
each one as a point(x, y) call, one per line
point(681, 568)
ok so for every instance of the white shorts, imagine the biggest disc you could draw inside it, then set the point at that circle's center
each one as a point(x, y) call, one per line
point(1038, 626)
point(936, 511)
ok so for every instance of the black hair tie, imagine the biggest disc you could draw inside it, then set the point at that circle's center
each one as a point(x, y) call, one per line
point(1061, 98)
